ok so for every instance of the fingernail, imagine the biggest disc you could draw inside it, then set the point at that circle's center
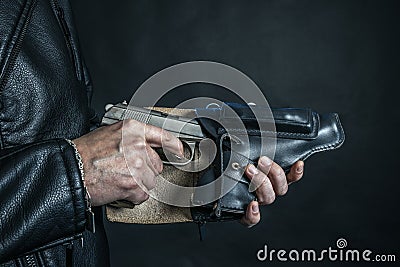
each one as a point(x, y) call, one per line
point(255, 209)
point(299, 169)
point(181, 150)
point(180, 154)
point(252, 169)
point(265, 161)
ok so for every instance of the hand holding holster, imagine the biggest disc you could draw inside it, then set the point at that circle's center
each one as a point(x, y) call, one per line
point(299, 134)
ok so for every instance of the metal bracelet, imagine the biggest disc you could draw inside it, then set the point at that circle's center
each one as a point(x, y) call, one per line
point(78, 158)
point(89, 213)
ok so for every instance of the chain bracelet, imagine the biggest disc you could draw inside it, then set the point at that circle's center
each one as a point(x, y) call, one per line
point(78, 158)
point(89, 212)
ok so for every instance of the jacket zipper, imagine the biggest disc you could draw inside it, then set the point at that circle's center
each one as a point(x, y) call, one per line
point(66, 31)
point(13, 56)
point(17, 47)
point(30, 260)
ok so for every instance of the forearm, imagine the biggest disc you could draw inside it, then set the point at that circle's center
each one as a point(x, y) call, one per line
point(41, 197)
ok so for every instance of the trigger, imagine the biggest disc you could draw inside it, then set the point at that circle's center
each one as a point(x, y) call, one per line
point(192, 146)
point(173, 159)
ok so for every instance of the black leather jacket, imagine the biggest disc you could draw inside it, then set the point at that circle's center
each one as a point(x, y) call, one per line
point(44, 97)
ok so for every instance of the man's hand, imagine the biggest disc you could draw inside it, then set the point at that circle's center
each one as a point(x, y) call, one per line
point(270, 181)
point(106, 159)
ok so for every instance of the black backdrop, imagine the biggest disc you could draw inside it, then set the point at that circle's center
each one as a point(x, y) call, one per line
point(337, 56)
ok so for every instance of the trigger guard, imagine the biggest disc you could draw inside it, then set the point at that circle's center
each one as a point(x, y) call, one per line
point(192, 146)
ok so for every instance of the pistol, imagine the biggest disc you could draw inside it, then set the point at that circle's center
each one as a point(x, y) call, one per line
point(188, 130)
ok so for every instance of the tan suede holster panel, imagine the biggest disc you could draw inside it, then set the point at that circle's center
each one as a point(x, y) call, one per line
point(153, 211)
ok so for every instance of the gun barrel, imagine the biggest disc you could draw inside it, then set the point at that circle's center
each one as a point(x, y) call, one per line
point(180, 126)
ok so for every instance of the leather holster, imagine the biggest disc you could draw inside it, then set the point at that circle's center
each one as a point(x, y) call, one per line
point(298, 134)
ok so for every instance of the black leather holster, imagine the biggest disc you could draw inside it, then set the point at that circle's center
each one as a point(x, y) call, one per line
point(299, 133)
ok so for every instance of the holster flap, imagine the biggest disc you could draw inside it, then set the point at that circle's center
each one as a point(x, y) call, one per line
point(295, 123)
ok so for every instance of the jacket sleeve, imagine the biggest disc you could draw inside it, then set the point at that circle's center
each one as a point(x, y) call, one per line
point(42, 200)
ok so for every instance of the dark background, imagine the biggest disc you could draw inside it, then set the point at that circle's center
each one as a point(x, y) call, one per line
point(339, 56)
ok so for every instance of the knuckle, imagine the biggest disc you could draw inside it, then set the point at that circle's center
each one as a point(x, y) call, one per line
point(137, 163)
point(138, 197)
point(129, 184)
point(139, 144)
point(167, 136)
point(256, 178)
point(260, 181)
point(265, 162)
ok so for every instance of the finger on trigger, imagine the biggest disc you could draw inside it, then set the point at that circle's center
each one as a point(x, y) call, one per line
point(158, 137)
